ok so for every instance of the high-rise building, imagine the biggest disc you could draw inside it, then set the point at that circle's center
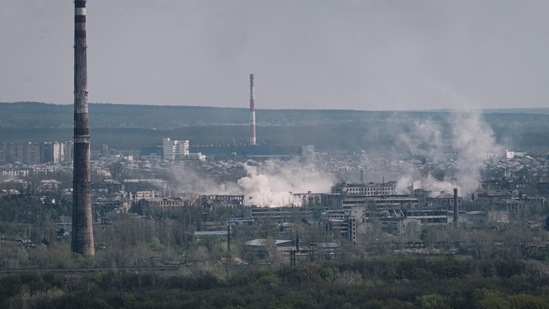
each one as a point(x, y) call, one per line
point(175, 149)
point(53, 152)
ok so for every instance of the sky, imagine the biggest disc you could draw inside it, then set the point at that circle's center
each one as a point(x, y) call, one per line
point(305, 54)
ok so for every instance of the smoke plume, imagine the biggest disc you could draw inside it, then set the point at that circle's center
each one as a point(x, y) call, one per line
point(270, 183)
point(454, 155)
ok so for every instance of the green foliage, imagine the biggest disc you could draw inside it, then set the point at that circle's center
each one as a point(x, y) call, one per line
point(489, 299)
point(155, 244)
point(21, 209)
point(268, 277)
point(9, 286)
point(528, 301)
point(432, 301)
point(414, 283)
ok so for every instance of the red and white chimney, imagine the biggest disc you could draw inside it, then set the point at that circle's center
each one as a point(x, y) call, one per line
point(253, 140)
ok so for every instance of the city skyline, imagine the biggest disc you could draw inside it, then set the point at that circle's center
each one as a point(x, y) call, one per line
point(360, 55)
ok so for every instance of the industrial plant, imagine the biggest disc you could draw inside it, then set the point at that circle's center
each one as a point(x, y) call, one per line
point(381, 164)
point(310, 203)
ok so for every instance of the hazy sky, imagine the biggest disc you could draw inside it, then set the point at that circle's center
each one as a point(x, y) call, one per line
point(312, 54)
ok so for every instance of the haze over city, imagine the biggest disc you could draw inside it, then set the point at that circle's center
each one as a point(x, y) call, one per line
point(365, 55)
point(399, 157)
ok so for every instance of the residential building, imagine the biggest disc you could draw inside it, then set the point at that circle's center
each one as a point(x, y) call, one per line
point(33, 153)
point(175, 149)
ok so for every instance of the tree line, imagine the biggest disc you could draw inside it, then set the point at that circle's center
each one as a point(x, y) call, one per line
point(388, 282)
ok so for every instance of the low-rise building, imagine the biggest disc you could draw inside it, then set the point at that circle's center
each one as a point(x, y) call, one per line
point(279, 215)
point(165, 202)
point(222, 200)
point(365, 189)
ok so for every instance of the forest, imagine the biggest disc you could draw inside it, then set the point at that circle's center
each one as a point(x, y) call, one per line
point(380, 282)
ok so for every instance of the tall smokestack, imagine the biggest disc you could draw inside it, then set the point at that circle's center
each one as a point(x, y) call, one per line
point(456, 208)
point(253, 140)
point(82, 228)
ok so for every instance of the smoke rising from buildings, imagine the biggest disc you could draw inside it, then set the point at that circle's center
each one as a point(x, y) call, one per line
point(273, 183)
point(425, 137)
point(436, 154)
point(455, 154)
point(475, 143)
point(199, 179)
point(270, 183)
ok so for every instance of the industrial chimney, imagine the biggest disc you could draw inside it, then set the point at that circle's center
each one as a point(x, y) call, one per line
point(253, 140)
point(456, 208)
point(82, 228)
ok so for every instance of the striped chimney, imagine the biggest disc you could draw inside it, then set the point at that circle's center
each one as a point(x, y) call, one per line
point(253, 140)
point(82, 228)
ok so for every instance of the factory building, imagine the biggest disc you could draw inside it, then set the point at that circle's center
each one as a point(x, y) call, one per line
point(427, 216)
point(377, 195)
point(279, 215)
point(158, 186)
point(336, 223)
point(353, 208)
point(365, 189)
point(380, 202)
point(164, 202)
point(221, 200)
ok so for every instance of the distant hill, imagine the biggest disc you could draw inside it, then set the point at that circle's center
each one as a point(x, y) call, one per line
point(42, 115)
point(535, 111)
point(135, 126)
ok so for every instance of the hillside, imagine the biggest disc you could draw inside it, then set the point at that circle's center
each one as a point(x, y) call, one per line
point(136, 126)
point(42, 115)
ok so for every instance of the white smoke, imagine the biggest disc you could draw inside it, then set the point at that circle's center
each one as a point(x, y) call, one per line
point(445, 157)
point(200, 179)
point(273, 183)
point(403, 184)
point(437, 187)
point(469, 139)
point(475, 143)
point(270, 183)
point(424, 137)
